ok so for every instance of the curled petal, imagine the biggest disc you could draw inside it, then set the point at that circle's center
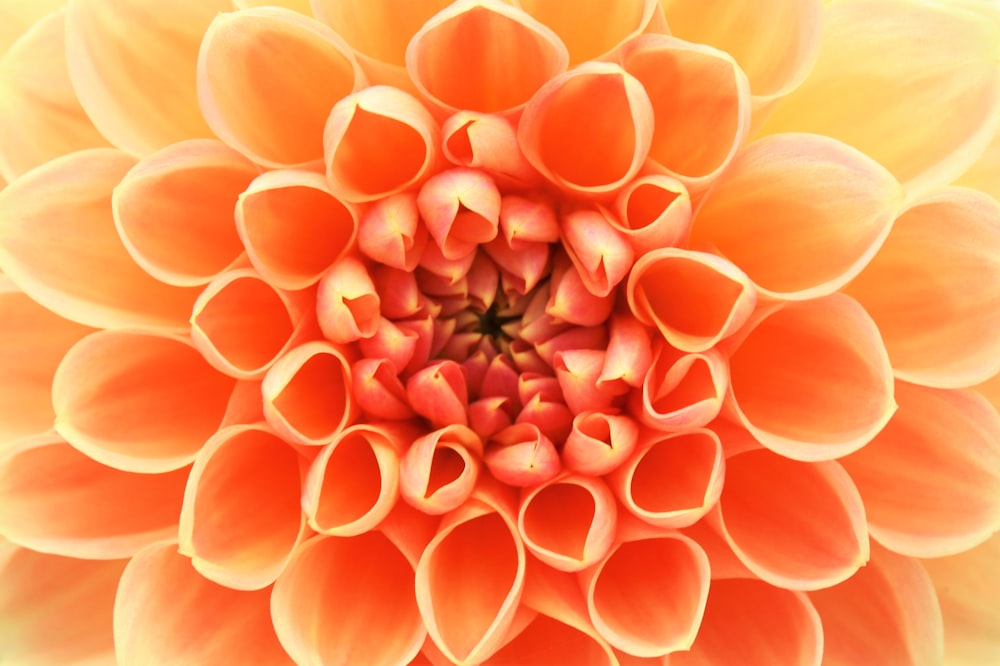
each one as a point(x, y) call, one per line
point(244, 68)
point(461, 209)
point(521, 455)
point(378, 142)
point(570, 300)
point(521, 269)
point(347, 304)
point(505, 57)
point(599, 442)
point(438, 392)
point(931, 479)
point(307, 394)
point(489, 416)
point(552, 417)
point(777, 182)
point(378, 391)
point(391, 343)
point(682, 391)
point(162, 607)
point(136, 401)
point(629, 353)
point(398, 290)
point(293, 228)
point(653, 211)
point(811, 380)
point(803, 533)
point(528, 219)
point(583, 148)
point(488, 142)
point(439, 470)
point(600, 252)
point(578, 372)
point(390, 232)
point(590, 29)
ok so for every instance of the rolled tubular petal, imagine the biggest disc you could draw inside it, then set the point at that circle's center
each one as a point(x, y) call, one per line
point(56, 500)
point(873, 77)
point(694, 299)
point(653, 211)
point(505, 57)
point(378, 391)
point(934, 290)
point(136, 401)
point(805, 532)
point(749, 621)
point(572, 302)
point(629, 351)
point(145, 106)
point(589, 28)
point(931, 479)
point(348, 600)
point(811, 380)
point(190, 239)
point(489, 142)
point(59, 244)
point(583, 148)
point(599, 442)
point(56, 610)
point(391, 233)
point(461, 209)
point(682, 391)
point(578, 373)
point(347, 304)
point(438, 392)
point(601, 253)
point(253, 57)
point(522, 456)
point(671, 481)
point(887, 613)
point(378, 142)
point(701, 105)
point(241, 517)
point(163, 607)
point(439, 470)
point(307, 394)
point(471, 576)
point(849, 200)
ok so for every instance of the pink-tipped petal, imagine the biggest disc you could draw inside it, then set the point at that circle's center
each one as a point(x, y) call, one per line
point(578, 372)
point(347, 304)
point(391, 233)
point(653, 212)
point(629, 352)
point(488, 142)
point(601, 253)
point(461, 209)
point(572, 302)
point(378, 391)
point(439, 470)
point(682, 391)
point(522, 456)
point(592, 28)
point(438, 392)
point(599, 442)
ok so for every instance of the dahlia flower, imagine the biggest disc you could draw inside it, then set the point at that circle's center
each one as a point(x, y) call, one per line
point(483, 332)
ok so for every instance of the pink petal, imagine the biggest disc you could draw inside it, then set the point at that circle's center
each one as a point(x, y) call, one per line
point(601, 253)
point(438, 392)
point(378, 391)
point(629, 352)
point(391, 233)
point(439, 470)
point(461, 209)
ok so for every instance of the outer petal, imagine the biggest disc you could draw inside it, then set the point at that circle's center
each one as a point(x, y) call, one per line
point(654, 211)
point(18, 17)
point(982, 175)
point(889, 64)
point(592, 28)
point(145, 106)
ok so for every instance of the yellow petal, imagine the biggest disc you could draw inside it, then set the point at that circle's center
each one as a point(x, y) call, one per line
point(592, 28)
point(984, 174)
point(17, 16)
point(301, 6)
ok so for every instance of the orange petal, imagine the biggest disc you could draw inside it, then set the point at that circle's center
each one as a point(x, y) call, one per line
point(136, 401)
point(378, 142)
point(56, 610)
point(167, 613)
point(390, 232)
point(522, 455)
point(307, 394)
point(241, 517)
point(701, 105)
point(488, 142)
point(461, 209)
point(471, 576)
point(629, 351)
point(32, 342)
point(145, 106)
point(293, 228)
point(439, 470)
point(873, 78)
point(582, 147)
point(811, 380)
point(695, 299)
point(256, 100)
point(174, 210)
point(751, 622)
point(887, 613)
point(301, 6)
point(931, 479)
point(505, 57)
point(601, 253)
point(934, 290)
point(592, 28)
point(671, 481)
point(599, 442)
point(348, 600)
point(40, 117)
point(654, 211)
point(58, 243)
point(682, 391)
point(347, 303)
point(378, 391)
point(439, 393)
point(776, 183)
point(570, 300)
point(54, 499)
point(800, 526)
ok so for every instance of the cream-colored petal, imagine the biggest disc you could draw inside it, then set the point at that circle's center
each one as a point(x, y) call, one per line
point(984, 174)
point(301, 6)
point(592, 28)
point(146, 105)
point(17, 17)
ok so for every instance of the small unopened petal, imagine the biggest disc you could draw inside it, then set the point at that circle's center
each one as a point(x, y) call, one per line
point(489, 142)
point(599, 442)
point(378, 391)
point(521, 455)
point(347, 304)
point(439, 393)
point(602, 254)
point(461, 209)
point(390, 232)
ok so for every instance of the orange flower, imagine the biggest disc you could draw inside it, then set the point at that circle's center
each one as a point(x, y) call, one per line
point(490, 332)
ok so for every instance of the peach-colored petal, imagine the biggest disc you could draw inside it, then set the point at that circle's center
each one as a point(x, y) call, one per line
point(348, 601)
point(582, 147)
point(982, 175)
point(167, 613)
point(241, 517)
point(571, 301)
point(811, 380)
point(439, 393)
point(307, 394)
point(40, 117)
point(701, 105)
point(145, 106)
point(578, 372)
point(58, 243)
point(378, 142)
point(471, 576)
point(601, 253)
point(32, 342)
point(682, 391)
point(751, 622)
point(504, 57)
point(522, 455)
point(887, 613)
point(694, 299)
point(599, 442)
point(56, 610)
point(378, 390)
point(800, 526)
point(347, 304)
point(934, 290)
point(390, 232)
point(931, 479)
point(777, 182)
point(301, 6)
point(891, 64)
point(56, 500)
point(629, 351)
point(251, 59)
point(17, 17)
point(592, 28)
point(489, 142)
point(439, 470)
point(461, 209)
point(136, 401)
point(673, 480)
point(653, 211)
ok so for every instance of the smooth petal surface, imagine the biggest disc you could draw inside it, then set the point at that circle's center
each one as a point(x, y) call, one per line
point(145, 106)
point(18, 17)
point(486, 141)
point(590, 28)
point(654, 211)
point(682, 391)
point(461, 209)
point(390, 232)
point(439, 470)
point(982, 175)
point(599, 442)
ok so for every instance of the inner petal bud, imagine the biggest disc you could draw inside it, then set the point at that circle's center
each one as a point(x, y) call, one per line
point(461, 208)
